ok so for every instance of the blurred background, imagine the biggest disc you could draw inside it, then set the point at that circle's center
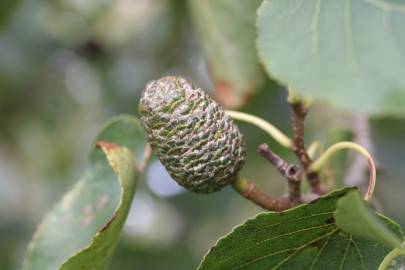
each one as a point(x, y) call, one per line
point(67, 66)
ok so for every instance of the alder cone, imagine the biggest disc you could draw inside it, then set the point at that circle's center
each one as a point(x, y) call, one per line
point(200, 146)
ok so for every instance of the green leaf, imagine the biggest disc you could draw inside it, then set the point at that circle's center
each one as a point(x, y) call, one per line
point(305, 237)
point(351, 53)
point(353, 216)
point(81, 231)
point(227, 32)
point(124, 130)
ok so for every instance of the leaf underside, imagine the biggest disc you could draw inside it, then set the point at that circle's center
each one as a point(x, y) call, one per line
point(351, 53)
point(81, 231)
point(305, 237)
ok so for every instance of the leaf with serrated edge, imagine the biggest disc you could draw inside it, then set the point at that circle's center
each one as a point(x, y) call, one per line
point(351, 53)
point(353, 216)
point(305, 237)
point(227, 32)
point(82, 229)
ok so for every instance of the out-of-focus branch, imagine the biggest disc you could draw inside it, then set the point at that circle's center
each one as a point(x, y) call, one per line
point(356, 175)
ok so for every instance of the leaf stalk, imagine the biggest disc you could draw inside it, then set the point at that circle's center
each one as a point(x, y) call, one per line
point(270, 129)
point(327, 155)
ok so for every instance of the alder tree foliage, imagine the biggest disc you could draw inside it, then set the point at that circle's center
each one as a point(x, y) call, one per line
point(350, 54)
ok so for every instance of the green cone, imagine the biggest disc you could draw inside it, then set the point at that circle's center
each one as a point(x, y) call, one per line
point(200, 146)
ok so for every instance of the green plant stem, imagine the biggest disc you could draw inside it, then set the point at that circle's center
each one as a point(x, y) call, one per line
point(253, 193)
point(324, 158)
point(390, 257)
point(274, 132)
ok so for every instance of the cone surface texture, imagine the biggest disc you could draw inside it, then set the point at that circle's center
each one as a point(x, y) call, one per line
point(200, 146)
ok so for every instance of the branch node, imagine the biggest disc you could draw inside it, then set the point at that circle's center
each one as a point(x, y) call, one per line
point(291, 172)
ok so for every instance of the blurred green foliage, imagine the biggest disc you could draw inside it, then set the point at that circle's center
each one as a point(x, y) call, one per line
point(66, 66)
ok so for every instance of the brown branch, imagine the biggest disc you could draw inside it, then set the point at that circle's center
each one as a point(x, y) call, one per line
point(299, 112)
point(250, 191)
point(291, 172)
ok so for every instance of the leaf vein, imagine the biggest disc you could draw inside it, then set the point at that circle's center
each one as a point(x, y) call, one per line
point(292, 220)
point(320, 251)
point(388, 28)
point(345, 254)
point(238, 252)
point(315, 26)
point(294, 232)
point(386, 6)
point(359, 253)
point(296, 249)
point(350, 52)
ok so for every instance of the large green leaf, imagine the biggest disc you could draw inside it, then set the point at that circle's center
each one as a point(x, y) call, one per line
point(353, 216)
point(305, 237)
point(81, 231)
point(350, 52)
point(227, 32)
